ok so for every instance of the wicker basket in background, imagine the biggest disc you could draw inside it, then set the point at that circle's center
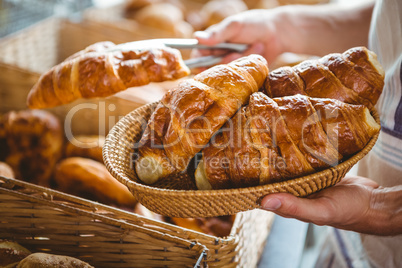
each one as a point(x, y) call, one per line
point(44, 220)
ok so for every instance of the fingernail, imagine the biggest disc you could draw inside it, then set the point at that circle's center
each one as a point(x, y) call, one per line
point(271, 204)
point(202, 34)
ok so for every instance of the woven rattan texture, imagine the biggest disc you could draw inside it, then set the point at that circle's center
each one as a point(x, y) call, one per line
point(46, 220)
point(49, 221)
point(119, 155)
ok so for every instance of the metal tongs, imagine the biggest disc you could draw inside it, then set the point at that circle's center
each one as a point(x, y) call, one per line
point(182, 43)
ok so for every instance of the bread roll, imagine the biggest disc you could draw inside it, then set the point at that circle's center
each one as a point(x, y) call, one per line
point(166, 17)
point(143, 211)
point(6, 170)
point(216, 226)
point(217, 10)
point(90, 179)
point(86, 146)
point(11, 253)
point(3, 140)
point(44, 260)
point(34, 140)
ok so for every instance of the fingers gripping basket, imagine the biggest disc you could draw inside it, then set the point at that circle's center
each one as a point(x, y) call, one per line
point(44, 220)
point(119, 153)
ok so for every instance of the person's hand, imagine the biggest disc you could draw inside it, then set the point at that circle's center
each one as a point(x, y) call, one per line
point(356, 203)
point(254, 27)
point(312, 30)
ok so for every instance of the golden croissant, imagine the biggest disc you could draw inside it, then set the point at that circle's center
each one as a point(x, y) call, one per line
point(100, 71)
point(271, 140)
point(354, 76)
point(188, 116)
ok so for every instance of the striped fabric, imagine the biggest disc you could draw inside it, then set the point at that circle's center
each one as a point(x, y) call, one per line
point(386, 41)
point(384, 163)
point(342, 249)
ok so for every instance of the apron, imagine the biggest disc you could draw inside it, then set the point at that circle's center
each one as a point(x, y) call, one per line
point(384, 163)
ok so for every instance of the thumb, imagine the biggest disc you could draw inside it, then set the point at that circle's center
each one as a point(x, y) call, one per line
point(290, 206)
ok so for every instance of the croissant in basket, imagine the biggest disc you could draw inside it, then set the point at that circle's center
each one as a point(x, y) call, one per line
point(188, 116)
point(270, 140)
point(102, 70)
point(354, 76)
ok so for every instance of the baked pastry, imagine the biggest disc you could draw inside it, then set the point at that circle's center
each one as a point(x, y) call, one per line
point(270, 140)
point(215, 11)
point(188, 116)
point(100, 71)
point(354, 76)
point(11, 253)
point(6, 170)
point(143, 211)
point(34, 140)
point(166, 17)
point(90, 179)
point(86, 146)
point(216, 226)
point(45, 260)
point(302, 2)
point(131, 7)
point(3, 140)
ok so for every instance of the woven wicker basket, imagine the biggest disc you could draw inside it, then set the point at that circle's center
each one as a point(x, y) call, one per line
point(44, 220)
point(118, 153)
point(20, 66)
